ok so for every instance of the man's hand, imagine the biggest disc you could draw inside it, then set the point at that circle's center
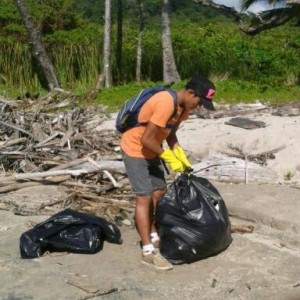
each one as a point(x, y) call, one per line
point(180, 154)
point(169, 157)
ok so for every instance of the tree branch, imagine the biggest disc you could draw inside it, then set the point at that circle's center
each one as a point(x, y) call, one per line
point(258, 22)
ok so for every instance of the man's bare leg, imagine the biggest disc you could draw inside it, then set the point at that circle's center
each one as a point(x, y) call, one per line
point(155, 197)
point(142, 212)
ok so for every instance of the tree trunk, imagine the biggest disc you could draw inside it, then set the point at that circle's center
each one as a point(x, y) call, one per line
point(140, 41)
point(120, 38)
point(106, 46)
point(170, 73)
point(38, 50)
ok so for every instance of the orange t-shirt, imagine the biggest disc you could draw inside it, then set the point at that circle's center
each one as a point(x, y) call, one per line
point(159, 109)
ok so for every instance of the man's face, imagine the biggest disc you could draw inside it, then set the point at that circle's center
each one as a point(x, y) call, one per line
point(192, 101)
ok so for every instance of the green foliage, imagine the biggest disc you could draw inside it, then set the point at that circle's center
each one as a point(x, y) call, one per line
point(114, 97)
point(8, 12)
point(245, 68)
point(228, 91)
point(88, 35)
point(235, 91)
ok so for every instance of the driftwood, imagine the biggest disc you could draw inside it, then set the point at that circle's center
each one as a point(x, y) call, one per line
point(235, 170)
point(245, 123)
point(14, 186)
point(241, 228)
point(43, 148)
point(12, 142)
point(260, 158)
point(89, 168)
point(18, 129)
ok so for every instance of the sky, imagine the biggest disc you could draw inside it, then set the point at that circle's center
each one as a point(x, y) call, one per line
point(257, 7)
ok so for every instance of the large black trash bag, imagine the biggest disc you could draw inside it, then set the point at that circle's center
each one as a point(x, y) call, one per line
point(192, 220)
point(70, 231)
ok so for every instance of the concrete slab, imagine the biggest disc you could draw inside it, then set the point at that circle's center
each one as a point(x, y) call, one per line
point(273, 205)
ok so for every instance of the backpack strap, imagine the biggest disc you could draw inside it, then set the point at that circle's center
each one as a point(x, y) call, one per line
point(175, 101)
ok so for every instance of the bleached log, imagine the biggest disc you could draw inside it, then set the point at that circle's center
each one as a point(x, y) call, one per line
point(109, 165)
point(13, 142)
point(17, 186)
point(228, 169)
point(89, 168)
point(9, 186)
point(18, 153)
point(109, 176)
point(70, 164)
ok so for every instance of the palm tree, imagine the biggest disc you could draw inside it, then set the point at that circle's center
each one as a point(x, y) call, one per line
point(38, 50)
point(170, 73)
point(107, 44)
point(119, 49)
point(140, 41)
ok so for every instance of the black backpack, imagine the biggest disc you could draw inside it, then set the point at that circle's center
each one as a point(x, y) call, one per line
point(128, 115)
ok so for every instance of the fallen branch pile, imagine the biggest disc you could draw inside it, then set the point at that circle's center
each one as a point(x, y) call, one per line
point(60, 148)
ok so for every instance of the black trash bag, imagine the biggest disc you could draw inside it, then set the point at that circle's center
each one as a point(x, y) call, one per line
point(192, 220)
point(69, 231)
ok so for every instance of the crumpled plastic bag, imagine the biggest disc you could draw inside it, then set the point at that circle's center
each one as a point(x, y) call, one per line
point(192, 220)
point(69, 231)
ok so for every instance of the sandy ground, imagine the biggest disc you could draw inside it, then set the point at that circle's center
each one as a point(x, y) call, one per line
point(207, 138)
point(262, 265)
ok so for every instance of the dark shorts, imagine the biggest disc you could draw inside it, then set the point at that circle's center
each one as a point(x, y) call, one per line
point(145, 175)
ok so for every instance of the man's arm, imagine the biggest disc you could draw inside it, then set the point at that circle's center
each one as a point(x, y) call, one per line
point(149, 139)
point(172, 138)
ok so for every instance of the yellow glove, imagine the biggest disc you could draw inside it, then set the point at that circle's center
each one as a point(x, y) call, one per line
point(169, 157)
point(180, 154)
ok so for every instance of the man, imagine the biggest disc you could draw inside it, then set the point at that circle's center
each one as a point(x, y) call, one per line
point(142, 153)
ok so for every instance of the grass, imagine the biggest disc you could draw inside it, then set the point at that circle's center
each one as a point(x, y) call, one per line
point(230, 92)
point(227, 91)
point(288, 176)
